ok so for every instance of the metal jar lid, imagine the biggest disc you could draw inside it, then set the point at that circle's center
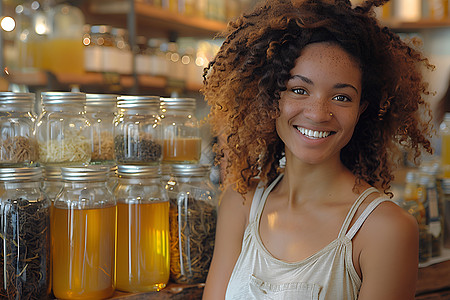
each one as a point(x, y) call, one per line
point(63, 98)
point(20, 174)
point(136, 171)
point(168, 104)
point(139, 102)
point(101, 102)
point(10, 101)
point(186, 169)
point(51, 173)
point(88, 173)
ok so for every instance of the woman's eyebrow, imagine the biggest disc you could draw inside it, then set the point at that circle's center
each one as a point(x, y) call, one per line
point(336, 86)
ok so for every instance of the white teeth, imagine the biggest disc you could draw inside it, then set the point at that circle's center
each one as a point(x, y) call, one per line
point(313, 133)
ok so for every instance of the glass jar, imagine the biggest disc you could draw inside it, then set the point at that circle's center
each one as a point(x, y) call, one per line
point(18, 146)
point(143, 60)
point(83, 235)
point(137, 132)
point(181, 135)
point(425, 242)
point(25, 232)
point(62, 130)
point(100, 51)
point(124, 58)
point(446, 192)
point(193, 217)
point(444, 129)
point(100, 112)
point(142, 229)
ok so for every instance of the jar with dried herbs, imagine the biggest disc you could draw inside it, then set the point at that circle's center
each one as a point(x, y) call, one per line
point(62, 130)
point(84, 235)
point(25, 233)
point(137, 131)
point(100, 112)
point(142, 229)
point(181, 135)
point(18, 146)
point(193, 217)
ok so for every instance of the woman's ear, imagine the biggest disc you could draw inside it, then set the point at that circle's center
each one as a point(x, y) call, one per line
point(363, 107)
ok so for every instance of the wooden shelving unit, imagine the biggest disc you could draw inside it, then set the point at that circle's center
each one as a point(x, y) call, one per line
point(399, 25)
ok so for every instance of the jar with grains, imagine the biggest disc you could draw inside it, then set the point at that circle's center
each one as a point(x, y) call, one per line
point(181, 135)
point(193, 217)
point(142, 229)
point(62, 130)
point(100, 112)
point(18, 146)
point(84, 235)
point(137, 131)
point(25, 232)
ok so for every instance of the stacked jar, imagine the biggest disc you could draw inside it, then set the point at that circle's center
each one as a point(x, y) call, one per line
point(25, 232)
point(193, 217)
point(181, 136)
point(18, 146)
point(100, 112)
point(137, 132)
point(84, 235)
point(62, 130)
point(142, 229)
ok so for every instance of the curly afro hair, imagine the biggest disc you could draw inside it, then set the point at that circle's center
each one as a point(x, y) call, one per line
point(242, 84)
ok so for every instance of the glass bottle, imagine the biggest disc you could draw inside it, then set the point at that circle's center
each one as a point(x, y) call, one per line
point(193, 217)
point(84, 235)
point(181, 135)
point(142, 229)
point(66, 39)
point(425, 247)
point(124, 60)
point(18, 146)
point(137, 132)
point(100, 112)
point(62, 130)
point(25, 232)
point(445, 145)
point(100, 51)
point(143, 60)
point(446, 193)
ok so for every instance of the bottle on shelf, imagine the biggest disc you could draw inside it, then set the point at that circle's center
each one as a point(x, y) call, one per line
point(445, 145)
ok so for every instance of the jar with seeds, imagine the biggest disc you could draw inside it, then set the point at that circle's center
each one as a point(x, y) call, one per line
point(193, 217)
point(137, 132)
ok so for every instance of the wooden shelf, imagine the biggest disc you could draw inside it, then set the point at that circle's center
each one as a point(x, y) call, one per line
point(41, 78)
point(152, 21)
point(418, 25)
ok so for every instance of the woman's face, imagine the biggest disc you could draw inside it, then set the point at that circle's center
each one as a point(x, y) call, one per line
point(321, 106)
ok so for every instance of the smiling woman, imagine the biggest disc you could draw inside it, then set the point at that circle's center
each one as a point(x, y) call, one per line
point(322, 85)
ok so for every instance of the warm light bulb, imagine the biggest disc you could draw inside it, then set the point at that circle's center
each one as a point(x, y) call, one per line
point(8, 24)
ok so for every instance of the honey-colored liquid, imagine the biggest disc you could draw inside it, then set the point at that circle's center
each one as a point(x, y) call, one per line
point(67, 56)
point(445, 155)
point(84, 253)
point(142, 246)
point(182, 150)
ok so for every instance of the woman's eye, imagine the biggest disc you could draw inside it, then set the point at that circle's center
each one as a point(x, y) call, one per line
point(342, 98)
point(299, 91)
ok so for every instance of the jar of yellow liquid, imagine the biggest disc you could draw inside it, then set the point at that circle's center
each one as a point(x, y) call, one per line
point(445, 145)
point(142, 229)
point(84, 235)
point(181, 136)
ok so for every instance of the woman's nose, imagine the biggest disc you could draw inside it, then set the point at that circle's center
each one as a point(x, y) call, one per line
point(318, 111)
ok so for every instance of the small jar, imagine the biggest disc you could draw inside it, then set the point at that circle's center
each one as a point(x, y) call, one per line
point(142, 230)
point(62, 130)
point(181, 135)
point(193, 217)
point(25, 232)
point(84, 235)
point(18, 146)
point(137, 132)
point(100, 112)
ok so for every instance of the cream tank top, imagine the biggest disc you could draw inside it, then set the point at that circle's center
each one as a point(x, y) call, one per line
point(328, 274)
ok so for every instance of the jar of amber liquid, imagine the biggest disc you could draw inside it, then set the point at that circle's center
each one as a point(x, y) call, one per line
point(84, 235)
point(181, 136)
point(142, 230)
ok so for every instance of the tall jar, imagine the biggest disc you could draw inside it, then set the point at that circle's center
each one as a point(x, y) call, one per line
point(193, 217)
point(445, 145)
point(83, 235)
point(63, 131)
point(25, 232)
point(100, 112)
point(137, 132)
point(18, 146)
point(142, 230)
point(181, 135)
